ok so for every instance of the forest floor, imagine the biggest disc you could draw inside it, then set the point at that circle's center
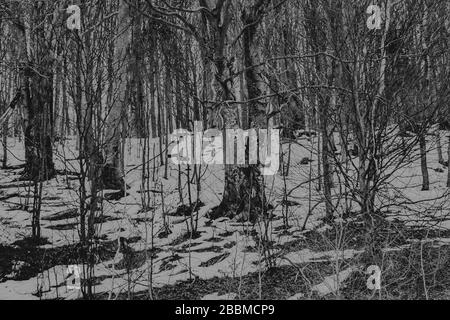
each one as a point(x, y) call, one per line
point(227, 259)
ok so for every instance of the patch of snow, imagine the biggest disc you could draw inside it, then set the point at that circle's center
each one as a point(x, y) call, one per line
point(215, 296)
point(333, 283)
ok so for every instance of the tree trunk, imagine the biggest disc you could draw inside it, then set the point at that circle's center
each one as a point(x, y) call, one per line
point(448, 163)
point(423, 162)
point(426, 69)
point(37, 83)
point(327, 171)
point(113, 170)
point(244, 192)
point(439, 147)
point(5, 145)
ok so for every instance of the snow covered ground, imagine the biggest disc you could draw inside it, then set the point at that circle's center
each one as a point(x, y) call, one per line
point(224, 247)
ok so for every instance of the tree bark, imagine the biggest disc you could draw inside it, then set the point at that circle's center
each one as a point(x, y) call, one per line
point(113, 170)
point(37, 98)
point(243, 191)
point(448, 163)
point(423, 162)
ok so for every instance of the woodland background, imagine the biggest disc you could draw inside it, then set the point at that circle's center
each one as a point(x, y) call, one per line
point(87, 180)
